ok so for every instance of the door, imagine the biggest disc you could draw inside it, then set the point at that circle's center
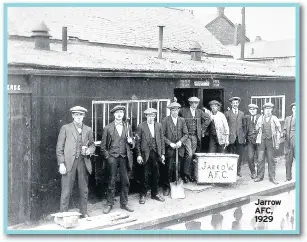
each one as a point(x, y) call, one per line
point(19, 157)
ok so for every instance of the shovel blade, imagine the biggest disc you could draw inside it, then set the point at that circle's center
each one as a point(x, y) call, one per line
point(177, 190)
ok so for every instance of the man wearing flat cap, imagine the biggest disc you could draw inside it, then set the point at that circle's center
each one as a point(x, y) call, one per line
point(268, 139)
point(175, 132)
point(74, 146)
point(219, 130)
point(197, 123)
point(289, 136)
point(250, 132)
point(235, 119)
point(116, 147)
point(150, 154)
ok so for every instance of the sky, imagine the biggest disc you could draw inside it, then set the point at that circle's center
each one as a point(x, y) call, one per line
point(271, 23)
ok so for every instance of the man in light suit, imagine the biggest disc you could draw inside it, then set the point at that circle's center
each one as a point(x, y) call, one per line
point(235, 119)
point(116, 145)
point(150, 154)
point(289, 136)
point(197, 123)
point(74, 147)
point(250, 131)
point(175, 132)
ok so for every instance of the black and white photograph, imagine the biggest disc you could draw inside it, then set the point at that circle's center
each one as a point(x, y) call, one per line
point(169, 119)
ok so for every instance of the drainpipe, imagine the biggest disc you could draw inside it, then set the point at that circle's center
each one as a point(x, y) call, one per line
point(160, 41)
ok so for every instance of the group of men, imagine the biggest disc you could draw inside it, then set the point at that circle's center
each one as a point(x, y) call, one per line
point(157, 145)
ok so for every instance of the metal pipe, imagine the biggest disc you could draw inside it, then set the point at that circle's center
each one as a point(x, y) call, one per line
point(64, 38)
point(243, 33)
point(160, 41)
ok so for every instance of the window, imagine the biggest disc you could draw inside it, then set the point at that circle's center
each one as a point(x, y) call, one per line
point(278, 101)
point(101, 115)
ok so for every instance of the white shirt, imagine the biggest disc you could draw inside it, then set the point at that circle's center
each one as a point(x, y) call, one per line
point(151, 128)
point(193, 112)
point(174, 120)
point(235, 111)
point(119, 127)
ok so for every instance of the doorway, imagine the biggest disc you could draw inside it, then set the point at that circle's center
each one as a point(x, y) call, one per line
point(183, 94)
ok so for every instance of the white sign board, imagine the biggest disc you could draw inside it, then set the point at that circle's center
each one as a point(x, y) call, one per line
point(216, 168)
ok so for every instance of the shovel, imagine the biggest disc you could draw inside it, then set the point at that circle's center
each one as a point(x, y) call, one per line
point(177, 189)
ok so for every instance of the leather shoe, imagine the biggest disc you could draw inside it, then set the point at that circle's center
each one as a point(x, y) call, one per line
point(192, 179)
point(166, 192)
point(185, 179)
point(258, 179)
point(107, 209)
point(85, 215)
point(274, 181)
point(142, 199)
point(158, 198)
point(127, 208)
point(254, 176)
point(239, 174)
point(288, 180)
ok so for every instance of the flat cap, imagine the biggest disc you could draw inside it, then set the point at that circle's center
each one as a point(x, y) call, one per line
point(118, 107)
point(252, 106)
point(193, 99)
point(78, 109)
point(234, 98)
point(150, 110)
point(268, 105)
point(214, 102)
point(174, 105)
point(292, 104)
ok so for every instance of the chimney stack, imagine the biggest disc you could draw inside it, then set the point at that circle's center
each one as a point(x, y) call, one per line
point(160, 41)
point(220, 11)
point(42, 37)
point(64, 38)
point(195, 51)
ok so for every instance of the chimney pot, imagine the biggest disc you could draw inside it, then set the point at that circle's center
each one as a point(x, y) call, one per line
point(220, 11)
point(196, 52)
point(42, 37)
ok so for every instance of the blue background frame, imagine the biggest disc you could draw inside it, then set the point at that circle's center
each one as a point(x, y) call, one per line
point(297, 99)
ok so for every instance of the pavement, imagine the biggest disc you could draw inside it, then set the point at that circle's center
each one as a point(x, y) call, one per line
point(199, 200)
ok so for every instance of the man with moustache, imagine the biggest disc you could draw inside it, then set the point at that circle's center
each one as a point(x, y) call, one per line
point(289, 136)
point(268, 139)
point(150, 154)
point(197, 123)
point(74, 147)
point(175, 132)
point(250, 124)
point(116, 145)
point(235, 119)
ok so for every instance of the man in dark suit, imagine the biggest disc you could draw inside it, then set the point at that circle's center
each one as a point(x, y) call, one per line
point(251, 135)
point(235, 119)
point(74, 147)
point(150, 150)
point(289, 136)
point(197, 123)
point(175, 132)
point(116, 145)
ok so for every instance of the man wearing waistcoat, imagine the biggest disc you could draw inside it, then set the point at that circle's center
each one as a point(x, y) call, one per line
point(268, 139)
point(289, 135)
point(150, 150)
point(235, 119)
point(116, 145)
point(197, 123)
point(74, 146)
point(250, 131)
point(175, 132)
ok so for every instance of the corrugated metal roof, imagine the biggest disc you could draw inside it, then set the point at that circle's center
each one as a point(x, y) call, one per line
point(122, 26)
point(102, 58)
point(266, 49)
